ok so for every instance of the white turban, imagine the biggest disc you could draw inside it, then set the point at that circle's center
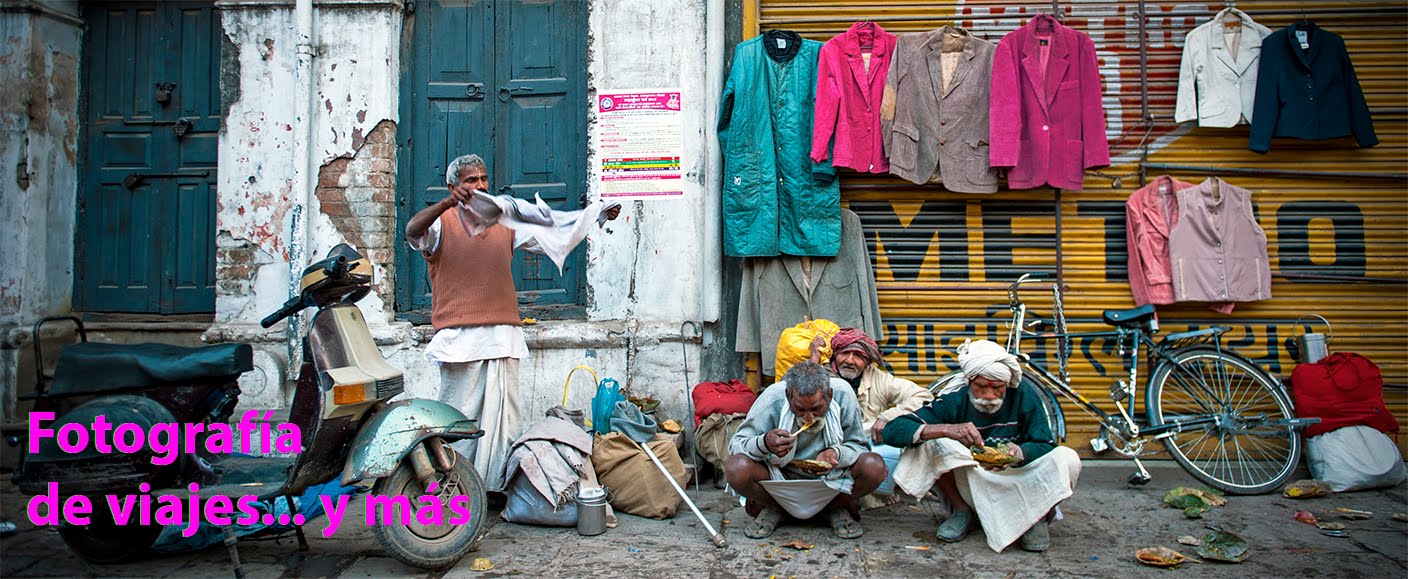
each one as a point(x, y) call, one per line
point(989, 360)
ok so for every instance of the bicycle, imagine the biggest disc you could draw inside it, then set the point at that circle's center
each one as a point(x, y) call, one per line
point(1222, 417)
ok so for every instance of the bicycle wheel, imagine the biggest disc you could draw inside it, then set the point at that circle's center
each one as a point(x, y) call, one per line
point(1237, 440)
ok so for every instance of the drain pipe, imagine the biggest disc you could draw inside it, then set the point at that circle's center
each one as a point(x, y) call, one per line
point(299, 230)
point(711, 266)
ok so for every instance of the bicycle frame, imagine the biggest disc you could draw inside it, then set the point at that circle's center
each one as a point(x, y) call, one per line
point(1131, 342)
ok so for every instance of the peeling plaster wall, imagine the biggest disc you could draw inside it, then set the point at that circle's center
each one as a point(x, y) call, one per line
point(356, 63)
point(643, 272)
point(40, 44)
point(39, 156)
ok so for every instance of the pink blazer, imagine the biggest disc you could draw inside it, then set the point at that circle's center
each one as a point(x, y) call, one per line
point(1047, 122)
point(848, 99)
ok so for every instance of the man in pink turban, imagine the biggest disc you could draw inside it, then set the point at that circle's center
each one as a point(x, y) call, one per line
point(856, 359)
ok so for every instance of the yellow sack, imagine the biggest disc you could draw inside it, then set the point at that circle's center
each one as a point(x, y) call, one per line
point(794, 345)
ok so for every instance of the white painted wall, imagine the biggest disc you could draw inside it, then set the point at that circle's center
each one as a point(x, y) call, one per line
point(356, 68)
point(40, 44)
point(38, 152)
point(645, 272)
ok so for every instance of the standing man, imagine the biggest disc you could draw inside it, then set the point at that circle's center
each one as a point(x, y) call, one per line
point(468, 239)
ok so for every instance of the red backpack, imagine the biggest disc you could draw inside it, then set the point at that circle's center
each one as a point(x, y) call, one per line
point(1343, 389)
point(721, 398)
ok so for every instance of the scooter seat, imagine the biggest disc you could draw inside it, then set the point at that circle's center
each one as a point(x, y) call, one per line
point(90, 367)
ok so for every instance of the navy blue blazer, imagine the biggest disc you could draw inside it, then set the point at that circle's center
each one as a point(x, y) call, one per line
point(1308, 94)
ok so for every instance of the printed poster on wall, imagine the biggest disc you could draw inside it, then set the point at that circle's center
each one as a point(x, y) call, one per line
point(640, 140)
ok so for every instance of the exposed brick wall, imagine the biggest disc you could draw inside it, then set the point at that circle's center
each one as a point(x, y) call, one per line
point(358, 194)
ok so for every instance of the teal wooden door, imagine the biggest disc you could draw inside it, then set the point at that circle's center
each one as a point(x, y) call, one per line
point(145, 239)
point(505, 79)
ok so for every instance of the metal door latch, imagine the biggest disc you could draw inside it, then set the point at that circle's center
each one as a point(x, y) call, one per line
point(134, 180)
point(163, 92)
point(179, 127)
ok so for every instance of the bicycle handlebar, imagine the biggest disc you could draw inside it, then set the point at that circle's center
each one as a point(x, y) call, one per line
point(1017, 285)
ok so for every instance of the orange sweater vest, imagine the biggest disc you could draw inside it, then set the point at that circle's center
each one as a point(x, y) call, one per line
point(471, 277)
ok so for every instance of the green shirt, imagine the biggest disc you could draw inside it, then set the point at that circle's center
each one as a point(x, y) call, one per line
point(1021, 420)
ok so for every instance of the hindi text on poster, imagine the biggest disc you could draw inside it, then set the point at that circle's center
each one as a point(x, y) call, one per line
point(640, 140)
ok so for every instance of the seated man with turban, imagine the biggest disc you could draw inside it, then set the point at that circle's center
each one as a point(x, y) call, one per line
point(994, 409)
point(802, 451)
point(856, 359)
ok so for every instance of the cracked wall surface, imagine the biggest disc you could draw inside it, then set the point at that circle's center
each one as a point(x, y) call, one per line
point(643, 278)
point(39, 59)
point(353, 111)
point(39, 155)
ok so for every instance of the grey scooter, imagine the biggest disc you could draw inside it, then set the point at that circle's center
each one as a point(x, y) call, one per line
point(340, 406)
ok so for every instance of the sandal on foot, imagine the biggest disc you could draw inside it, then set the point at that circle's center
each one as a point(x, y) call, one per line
point(844, 526)
point(763, 525)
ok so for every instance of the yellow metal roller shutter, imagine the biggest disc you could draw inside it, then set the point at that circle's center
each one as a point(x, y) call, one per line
point(1338, 247)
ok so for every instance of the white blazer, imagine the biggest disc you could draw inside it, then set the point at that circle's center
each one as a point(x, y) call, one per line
point(1215, 88)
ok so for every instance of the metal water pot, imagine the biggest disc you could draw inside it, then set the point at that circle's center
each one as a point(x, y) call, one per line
point(1310, 347)
point(591, 511)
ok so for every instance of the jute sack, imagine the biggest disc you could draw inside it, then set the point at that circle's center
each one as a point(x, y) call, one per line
point(639, 486)
point(713, 437)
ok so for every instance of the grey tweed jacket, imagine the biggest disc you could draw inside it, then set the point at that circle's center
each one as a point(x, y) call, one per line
point(936, 135)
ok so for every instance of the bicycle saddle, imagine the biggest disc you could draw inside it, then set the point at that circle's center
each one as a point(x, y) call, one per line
point(1129, 318)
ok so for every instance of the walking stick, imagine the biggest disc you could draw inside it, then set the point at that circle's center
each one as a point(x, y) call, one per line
point(717, 537)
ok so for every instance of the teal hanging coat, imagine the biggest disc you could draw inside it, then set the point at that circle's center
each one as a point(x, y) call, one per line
point(775, 199)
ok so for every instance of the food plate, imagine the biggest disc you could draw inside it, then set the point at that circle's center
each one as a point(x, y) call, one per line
point(811, 467)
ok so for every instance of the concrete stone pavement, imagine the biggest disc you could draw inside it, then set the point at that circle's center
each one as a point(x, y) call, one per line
point(1105, 523)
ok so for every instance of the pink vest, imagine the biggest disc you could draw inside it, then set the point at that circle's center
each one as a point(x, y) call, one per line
point(1217, 250)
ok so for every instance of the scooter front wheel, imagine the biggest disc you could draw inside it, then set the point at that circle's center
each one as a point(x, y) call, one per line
point(103, 542)
point(422, 541)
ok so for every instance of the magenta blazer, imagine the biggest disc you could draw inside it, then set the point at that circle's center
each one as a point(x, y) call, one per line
point(848, 99)
point(1047, 122)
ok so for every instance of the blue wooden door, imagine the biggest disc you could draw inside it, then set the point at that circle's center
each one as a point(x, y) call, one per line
point(145, 238)
point(505, 79)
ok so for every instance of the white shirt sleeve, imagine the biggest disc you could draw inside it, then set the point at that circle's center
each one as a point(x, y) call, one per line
point(429, 241)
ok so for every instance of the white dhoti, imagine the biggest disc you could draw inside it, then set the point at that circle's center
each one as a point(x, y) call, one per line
point(801, 498)
point(1007, 502)
point(486, 391)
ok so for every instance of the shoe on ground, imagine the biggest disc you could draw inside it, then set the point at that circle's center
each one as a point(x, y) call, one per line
point(955, 527)
point(1037, 538)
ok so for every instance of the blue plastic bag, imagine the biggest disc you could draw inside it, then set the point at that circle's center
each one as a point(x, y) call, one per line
point(608, 393)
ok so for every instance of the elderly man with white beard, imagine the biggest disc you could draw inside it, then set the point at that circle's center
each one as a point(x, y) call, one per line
point(883, 397)
point(994, 409)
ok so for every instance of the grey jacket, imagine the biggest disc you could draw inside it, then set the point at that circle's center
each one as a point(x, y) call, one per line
point(933, 135)
point(773, 296)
